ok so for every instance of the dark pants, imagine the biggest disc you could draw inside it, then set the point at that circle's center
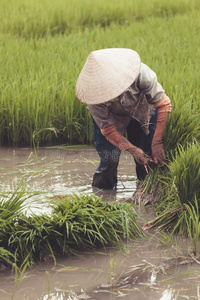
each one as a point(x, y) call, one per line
point(105, 176)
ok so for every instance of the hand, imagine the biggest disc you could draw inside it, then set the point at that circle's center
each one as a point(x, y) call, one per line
point(141, 157)
point(158, 153)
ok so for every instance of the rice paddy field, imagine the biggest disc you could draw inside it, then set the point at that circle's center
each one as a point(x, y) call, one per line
point(43, 46)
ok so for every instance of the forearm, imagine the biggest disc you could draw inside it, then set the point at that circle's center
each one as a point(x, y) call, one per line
point(164, 110)
point(117, 139)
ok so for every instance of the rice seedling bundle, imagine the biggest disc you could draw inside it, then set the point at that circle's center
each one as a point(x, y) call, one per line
point(76, 223)
point(185, 173)
point(176, 186)
point(178, 209)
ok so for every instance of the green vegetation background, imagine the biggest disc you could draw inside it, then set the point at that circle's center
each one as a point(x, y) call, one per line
point(44, 44)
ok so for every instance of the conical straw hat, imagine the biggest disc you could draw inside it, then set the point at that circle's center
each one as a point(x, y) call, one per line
point(106, 74)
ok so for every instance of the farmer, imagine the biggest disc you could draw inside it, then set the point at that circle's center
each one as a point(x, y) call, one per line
point(123, 97)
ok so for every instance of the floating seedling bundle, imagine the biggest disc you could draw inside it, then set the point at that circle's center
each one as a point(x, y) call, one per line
point(76, 223)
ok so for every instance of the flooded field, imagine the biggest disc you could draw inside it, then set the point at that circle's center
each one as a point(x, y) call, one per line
point(154, 268)
point(58, 171)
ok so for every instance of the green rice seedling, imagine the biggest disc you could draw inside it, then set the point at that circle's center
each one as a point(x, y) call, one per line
point(6, 256)
point(95, 221)
point(49, 18)
point(193, 225)
point(185, 172)
point(183, 128)
point(170, 220)
point(163, 239)
point(48, 283)
point(20, 275)
point(178, 211)
point(152, 182)
point(12, 207)
point(35, 140)
point(38, 101)
point(38, 75)
point(10, 210)
point(29, 238)
point(76, 223)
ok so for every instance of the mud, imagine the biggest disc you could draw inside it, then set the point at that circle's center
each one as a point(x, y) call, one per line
point(144, 271)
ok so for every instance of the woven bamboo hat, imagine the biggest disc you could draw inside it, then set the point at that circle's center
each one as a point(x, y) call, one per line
point(106, 74)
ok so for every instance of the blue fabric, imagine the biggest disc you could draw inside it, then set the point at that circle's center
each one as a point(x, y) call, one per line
point(106, 173)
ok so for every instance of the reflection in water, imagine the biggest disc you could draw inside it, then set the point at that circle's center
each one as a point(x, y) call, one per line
point(56, 296)
point(168, 294)
point(153, 278)
point(60, 172)
point(54, 172)
point(62, 296)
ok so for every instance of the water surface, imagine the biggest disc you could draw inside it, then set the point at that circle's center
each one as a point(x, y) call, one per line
point(144, 271)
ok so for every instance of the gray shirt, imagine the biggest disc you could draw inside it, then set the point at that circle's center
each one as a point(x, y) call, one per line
point(137, 102)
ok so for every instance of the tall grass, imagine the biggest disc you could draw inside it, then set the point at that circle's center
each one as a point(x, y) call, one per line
point(43, 47)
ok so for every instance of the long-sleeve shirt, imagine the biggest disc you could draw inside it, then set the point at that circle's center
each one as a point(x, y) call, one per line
point(137, 102)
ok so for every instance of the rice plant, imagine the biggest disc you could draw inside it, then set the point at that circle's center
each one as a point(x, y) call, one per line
point(185, 171)
point(178, 210)
point(5, 256)
point(40, 60)
point(49, 18)
point(193, 225)
point(182, 128)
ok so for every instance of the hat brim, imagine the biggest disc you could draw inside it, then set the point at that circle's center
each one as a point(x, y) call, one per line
point(106, 74)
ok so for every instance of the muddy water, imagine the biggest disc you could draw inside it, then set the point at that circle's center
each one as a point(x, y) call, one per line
point(144, 271)
point(58, 171)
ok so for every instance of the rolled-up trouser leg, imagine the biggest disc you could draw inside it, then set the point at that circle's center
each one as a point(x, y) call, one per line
point(105, 176)
point(138, 138)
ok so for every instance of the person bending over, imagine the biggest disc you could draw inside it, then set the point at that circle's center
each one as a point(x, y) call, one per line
point(123, 97)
